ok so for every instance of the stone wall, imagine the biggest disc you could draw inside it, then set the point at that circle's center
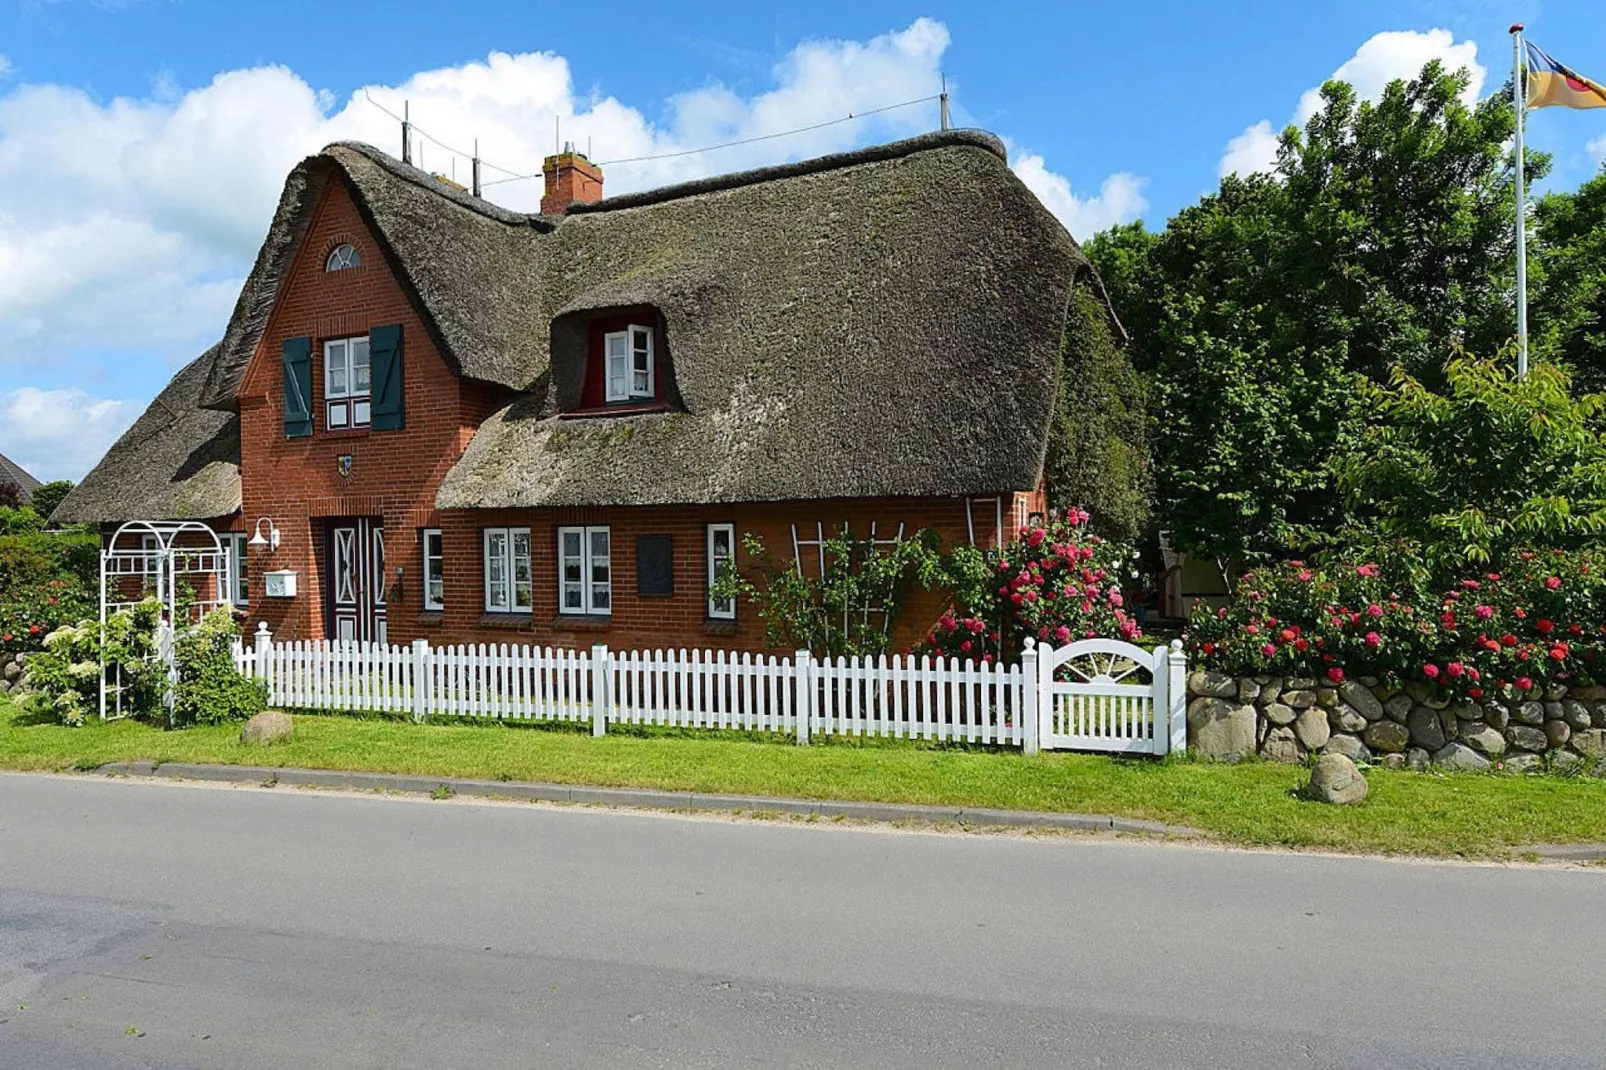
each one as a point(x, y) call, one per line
point(1288, 719)
point(13, 667)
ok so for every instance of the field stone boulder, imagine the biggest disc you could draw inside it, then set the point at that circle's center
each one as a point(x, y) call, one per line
point(1458, 756)
point(1387, 736)
point(1300, 683)
point(1336, 780)
point(1361, 699)
point(1349, 746)
point(1558, 733)
point(1270, 688)
point(1399, 707)
point(1327, 697)
point(1312, 729)
point(1468, 711)
point(1425, 729)
point(1576, 714)
point(1248, 690)
point(1345, 719)
point(1496, 716)
point(1417, 758)
point(1483, 738)
point(1281, 746)
point(1591, 744)
point(1220, 729)
point(1522, 763)
point(1277, 713)
point(1529, 713)
point(1212, 684)
point(1525, 737)
point(269, 726)
point(1299, 699)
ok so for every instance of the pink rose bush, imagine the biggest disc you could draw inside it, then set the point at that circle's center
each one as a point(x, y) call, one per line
point(1537, 620)
point(1054, 583)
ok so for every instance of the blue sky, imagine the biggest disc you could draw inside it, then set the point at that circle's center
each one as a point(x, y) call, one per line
point(142, 142)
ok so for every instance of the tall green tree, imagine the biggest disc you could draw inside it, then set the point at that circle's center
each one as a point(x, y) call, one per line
point(1567, 286)
point(1383, 237)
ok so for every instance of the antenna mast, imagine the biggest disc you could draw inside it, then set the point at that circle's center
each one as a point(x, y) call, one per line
point(943, 101)
point(407, 128)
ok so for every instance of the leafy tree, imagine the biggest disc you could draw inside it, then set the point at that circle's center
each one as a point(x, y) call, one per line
point(1481, 467)
point(1383, 237)
point(1567, 281)
point(1098, 457)
point(49, 495)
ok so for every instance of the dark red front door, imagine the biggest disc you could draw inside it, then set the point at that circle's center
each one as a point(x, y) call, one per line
point(355, 588)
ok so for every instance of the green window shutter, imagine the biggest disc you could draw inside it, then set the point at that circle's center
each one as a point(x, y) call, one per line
point(385, 356)
point(297, 387)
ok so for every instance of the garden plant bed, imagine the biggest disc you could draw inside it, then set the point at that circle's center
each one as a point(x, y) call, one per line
point(1252, 803)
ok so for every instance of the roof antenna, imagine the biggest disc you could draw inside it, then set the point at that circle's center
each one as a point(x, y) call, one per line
point(943, 100)
point(588, 146)
point(407, 152)
point(476, 178)
point(557, 132)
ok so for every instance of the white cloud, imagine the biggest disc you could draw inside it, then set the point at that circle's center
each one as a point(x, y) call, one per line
point(1596, 147)
point(1119, 199)
point(1253, 150)
point(60, 434)
point(130, 224)
point(1383, 58)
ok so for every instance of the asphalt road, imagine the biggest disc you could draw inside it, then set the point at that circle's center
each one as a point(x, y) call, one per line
point(172, 925)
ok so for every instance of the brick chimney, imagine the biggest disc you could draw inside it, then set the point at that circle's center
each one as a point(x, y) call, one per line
point(570, 177)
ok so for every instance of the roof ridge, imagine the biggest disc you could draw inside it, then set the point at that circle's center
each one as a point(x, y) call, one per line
point(890, 150)
point(730, 180)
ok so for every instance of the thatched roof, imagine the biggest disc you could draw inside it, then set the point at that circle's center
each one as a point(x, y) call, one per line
point(13, 473)
point(881, 322)
point(178, 462)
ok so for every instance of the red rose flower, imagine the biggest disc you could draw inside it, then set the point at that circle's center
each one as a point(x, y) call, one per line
point(1431, 671)
point(1543, 627)
point(1553, 582)
point(1268, 650)
point(1336, 675)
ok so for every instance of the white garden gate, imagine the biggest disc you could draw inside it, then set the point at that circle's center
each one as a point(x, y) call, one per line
point(1107, 695)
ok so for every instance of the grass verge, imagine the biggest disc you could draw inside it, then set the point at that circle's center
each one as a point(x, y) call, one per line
point(1467, 815)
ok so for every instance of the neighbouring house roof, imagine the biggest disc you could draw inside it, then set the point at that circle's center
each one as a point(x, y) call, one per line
point(880, 322)
point(178, 462)
point(12, 472)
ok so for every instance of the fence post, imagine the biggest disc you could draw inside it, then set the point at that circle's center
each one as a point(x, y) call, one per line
point(1031, 696)
point(1160, 685)
point(421, 679)
point(804, 662)
point(599, 689)
point(264, 652)
point(1177, 694)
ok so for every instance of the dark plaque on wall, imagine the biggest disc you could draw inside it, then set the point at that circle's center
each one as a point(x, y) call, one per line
point(655, 566)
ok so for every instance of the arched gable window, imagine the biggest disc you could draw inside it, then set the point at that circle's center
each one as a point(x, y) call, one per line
point(343, 256)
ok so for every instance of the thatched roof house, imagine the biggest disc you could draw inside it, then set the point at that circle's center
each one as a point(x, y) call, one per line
point(14, 474)
point(891, 324)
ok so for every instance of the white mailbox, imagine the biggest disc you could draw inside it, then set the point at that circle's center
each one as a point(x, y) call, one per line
point(281, 583)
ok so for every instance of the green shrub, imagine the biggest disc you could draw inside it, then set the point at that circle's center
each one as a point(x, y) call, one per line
point(210, 689)
point(46, 580)
point(1538, 619)
point(1054, 583)
point(64, 676)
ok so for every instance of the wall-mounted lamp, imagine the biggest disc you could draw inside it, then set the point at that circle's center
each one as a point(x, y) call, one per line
point(271, 540)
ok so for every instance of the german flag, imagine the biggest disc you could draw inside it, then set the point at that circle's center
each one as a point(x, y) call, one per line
point(1550, 85)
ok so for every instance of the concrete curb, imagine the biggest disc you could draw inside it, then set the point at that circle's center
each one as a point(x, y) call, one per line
point(644, 797)
point(1567, 852)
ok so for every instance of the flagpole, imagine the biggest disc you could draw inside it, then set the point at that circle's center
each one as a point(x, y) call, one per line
point(1519, 106)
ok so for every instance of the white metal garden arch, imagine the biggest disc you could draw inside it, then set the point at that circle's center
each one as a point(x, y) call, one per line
point(150, 558)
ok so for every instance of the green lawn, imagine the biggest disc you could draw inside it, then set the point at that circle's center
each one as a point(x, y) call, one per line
point(1471, 815)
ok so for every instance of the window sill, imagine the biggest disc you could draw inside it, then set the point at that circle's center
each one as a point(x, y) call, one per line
point(505, 620)
point(621, 409)
point(346, 432)
point(716, 626)
point(575, 622)
point(432, 616)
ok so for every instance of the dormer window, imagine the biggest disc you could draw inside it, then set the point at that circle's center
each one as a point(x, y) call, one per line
point(630, 371)
point(341, 257)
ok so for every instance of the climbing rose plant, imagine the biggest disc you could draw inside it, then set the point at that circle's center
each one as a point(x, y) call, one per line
point(1053, 583)
point(1537, 620)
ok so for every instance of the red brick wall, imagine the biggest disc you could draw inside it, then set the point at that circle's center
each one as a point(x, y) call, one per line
point(395, 474)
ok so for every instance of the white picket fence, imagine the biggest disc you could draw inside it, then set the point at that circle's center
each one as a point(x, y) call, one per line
point(801, 696)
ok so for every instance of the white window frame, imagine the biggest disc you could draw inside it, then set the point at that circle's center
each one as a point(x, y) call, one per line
point(717, 611)
point(353, 406)
point(342, 257)
point(588, 562)
point(428, 535)
point(508, 559)
point(239, 579)
point(636, 382)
